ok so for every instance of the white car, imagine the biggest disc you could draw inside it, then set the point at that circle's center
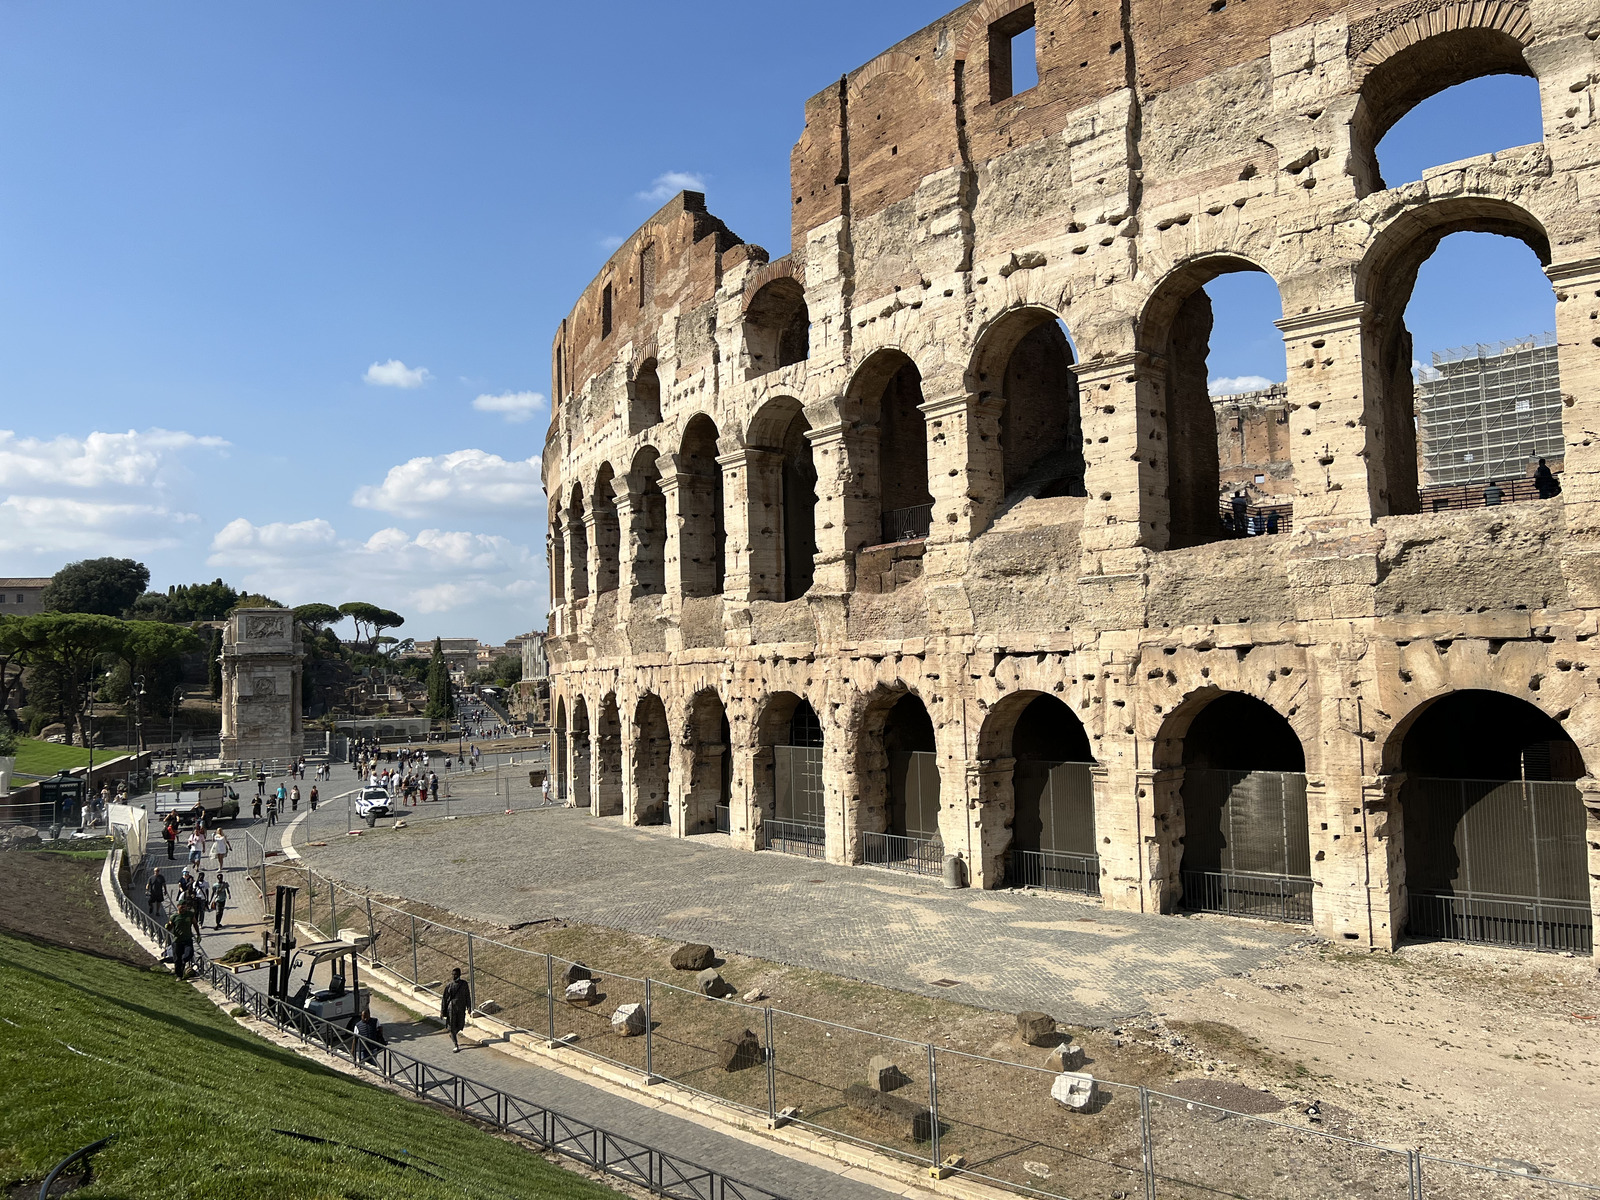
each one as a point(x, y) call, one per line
point(374, 802)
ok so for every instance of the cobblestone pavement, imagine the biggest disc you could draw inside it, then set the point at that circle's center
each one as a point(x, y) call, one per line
point(642, 1120)
point(1008, 950)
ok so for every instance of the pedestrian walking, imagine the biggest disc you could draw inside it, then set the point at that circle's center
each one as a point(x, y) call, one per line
point(156, 891)
point(169, 834)
point(1545, 481)
point(261, 783)
point(197, 847)
point(294, 798)
point(220, 849)
point(369, 1034)
point(313, 797)
point(453, 1006)
point(181, 925)
point(272, 811)
point(219, 899)
point(255, 810)
point(544, 790)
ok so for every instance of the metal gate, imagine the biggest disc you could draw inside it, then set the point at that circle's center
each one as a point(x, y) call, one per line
point(912, 841)
point(1053, 844)
point(1247, 844)
point(797, 827)
point(1499, 861)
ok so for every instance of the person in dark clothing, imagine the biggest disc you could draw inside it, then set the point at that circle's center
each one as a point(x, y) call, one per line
point(156, 891)
point(181, 925)
point(1493, 495)
point(1545, 481)
point(1241, 515)
point(368, 1034)
point(169, 833)
point(219, 898)
point(453, 1006)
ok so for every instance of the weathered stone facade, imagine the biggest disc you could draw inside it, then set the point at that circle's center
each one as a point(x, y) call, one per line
point(261, 670)
point(740, 447)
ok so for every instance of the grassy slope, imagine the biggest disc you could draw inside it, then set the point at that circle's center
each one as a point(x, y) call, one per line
point(93, 1046)
point(46, 758)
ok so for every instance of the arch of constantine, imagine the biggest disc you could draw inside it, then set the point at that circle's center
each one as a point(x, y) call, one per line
point(908, 545)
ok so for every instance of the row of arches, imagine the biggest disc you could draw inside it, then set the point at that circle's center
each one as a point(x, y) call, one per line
point(1022, 381)
point(1491, 826)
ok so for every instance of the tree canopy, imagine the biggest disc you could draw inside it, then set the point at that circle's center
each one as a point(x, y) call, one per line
point(63, 653)
point(316, 616)
point(104, 586)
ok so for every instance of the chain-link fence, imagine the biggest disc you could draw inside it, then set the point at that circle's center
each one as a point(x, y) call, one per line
point(1019, 1126)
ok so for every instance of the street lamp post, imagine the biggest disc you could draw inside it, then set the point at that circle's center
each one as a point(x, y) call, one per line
point(172, 721)
point(137, 690)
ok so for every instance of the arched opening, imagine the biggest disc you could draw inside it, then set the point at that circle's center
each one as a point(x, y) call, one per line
point(895, 448)
point(777, 327)
point(909, 783)
point(608, 759)
point(1432, 68)
point(1481, 409)
point(607, 536)
point(782, 481)
point(701, 544)
point(1052, 789)
point(707, 798)
point(559, 751)
point(799, 495)
point(581, 761)
point(558, 558)
point(649, 521)
point(578, 544)
point(1221, 418)
point(789, 792)
point(1494, 826)
point(1027, 361)
point(652, 754)
point(644, 397)
point(1247, 842)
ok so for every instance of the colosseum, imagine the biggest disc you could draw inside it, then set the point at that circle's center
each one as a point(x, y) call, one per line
point(914, 549)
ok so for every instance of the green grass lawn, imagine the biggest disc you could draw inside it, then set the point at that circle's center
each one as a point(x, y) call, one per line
point(94, 1046)
point(46, 758)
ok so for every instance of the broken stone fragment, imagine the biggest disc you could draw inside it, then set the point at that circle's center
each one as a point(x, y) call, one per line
point(1037, 1029)
point(583, 991)
point(693, 957)
point(709, 983)
point(1068, 1056)
point(628, 1020)
point(899, 1115)
point(488, 1008)
point(742, 1052)
point(575, 972)
point(1074, 1090)
point(884, 1076)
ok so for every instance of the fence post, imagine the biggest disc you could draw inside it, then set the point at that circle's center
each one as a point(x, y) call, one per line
point(933, 1106)
point(1416, 1173)
point(311, 900)
point(372, 932)
point(416, 980)
point(1147, 1145)
point(649, 1048)
point(472, 974)
point(772, 1074)
point(550, 999)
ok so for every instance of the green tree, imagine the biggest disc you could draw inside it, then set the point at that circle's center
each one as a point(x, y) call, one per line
point(202, 601)
point(441, 693)
point(155, 651)
point(386, 619)
point(253, 600)
point(63, 653)
point(316, 617)
point(107, 586)
point(362, 613)
point(12, 644)
point(505, 669)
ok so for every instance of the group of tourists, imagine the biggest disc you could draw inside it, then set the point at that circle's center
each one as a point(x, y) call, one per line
point(194, 898)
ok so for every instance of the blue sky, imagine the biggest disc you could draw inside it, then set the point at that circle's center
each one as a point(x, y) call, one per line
point(278, 282)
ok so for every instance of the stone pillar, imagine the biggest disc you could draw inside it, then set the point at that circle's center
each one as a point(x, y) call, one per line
point(1125, 466)
point(1589, 790)
point(993, 808)
point(965, 466)
point(1159, 797)
point(604, 544)
point(1384, 849)
point(1577, 286)
point(261, 657)
point(752, 490)
point(1340, 473)
point(629, 536)
point(848, 517)
point(673, 491)
point(591, 535)
point(744, 817)
point(574, 531)
point(841, 818)
point(607, 789)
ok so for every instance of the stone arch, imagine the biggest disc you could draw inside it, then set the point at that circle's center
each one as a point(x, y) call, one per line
point(647, 538)
point(608, 758)
point(707, 757)
point(607, 536)
point(783, 493)
point(1235, 788)
point(787, 784)
point(892, 450)
point(1385, 280)
point(894, 814)
point(651, 763)
point(559, 747)
point(1174, 331)
point(701, 534)
point(581, 754)
point(578, 544)
point(1433, 51)
point(1494, 835)
point(777, 327)
point(1023, 361)
point(644, 396)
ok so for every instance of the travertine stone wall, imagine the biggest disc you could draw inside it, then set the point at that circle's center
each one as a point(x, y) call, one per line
point(936, 224)
point(261, 666)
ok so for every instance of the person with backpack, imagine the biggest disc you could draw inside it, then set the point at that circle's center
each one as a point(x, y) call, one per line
point(169, 834)
point(272, 811)
point(181, 925)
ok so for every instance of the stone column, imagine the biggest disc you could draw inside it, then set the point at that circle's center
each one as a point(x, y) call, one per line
point(1160, 831)
point(993, 808)
point(1341, 479)
point(1384, 848)
point(1589, 790)
point(591, 534)
point(629, 535)
point(1577, 286)
point(847, 518)
point(577, 573)
point(965, 466)
point(673, 491)
point(752, 490)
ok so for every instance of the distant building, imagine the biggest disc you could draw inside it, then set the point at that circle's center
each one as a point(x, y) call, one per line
point(1253, 443)
point(460, 655)
point(22, 597)
point(1489, 412)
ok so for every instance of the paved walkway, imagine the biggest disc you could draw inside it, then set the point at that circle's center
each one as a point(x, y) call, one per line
point(639, 1120)
point(1009, 950)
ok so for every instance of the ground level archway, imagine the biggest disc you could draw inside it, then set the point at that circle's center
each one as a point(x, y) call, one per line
point(652, 748)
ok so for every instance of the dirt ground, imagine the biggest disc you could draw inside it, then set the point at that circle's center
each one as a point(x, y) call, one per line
point(54, 896)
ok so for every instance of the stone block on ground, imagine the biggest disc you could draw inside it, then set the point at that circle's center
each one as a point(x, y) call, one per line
point(740, 1053)
point(1037, 1029)
point(709, 983)
point(488, 1008)
point(17, 837)
point(884, 1076)
point(575, 972)
point(693, 957)
point(898, 1116)
point(1068, 1056)
point(1074, 1090)
point(628, 1020)
point(583, 991)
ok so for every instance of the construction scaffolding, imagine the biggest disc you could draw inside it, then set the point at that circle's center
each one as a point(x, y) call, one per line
point(1489, 412)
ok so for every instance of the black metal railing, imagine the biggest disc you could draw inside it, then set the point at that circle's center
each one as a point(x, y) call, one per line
point(795, 837)
point(1524, 922)
point(920, 854)
point(907, 524)
point(1256, 520)
point(1054, 871)
point(1247, 894)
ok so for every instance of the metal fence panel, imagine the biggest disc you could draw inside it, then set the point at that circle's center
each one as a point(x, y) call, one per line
point(795, 837)
point(589, 1027)
point(1054, 871)
point(1444, 1179)
point(696, 1041)
point(514, 980)
point(918, 855)
point(439, 951)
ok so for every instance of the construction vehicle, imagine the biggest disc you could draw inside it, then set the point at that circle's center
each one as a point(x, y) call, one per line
point(339, 997)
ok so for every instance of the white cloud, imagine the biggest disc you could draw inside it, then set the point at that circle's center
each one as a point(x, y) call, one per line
point(665, 187)
point(395, 373)
point(515, 406)
point(433, 571)
point(465, 481)
point(107, 493)
point(1230, 385)
point(610, 242)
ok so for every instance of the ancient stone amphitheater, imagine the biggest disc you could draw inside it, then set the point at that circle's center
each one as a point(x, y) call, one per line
point(906, 550)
